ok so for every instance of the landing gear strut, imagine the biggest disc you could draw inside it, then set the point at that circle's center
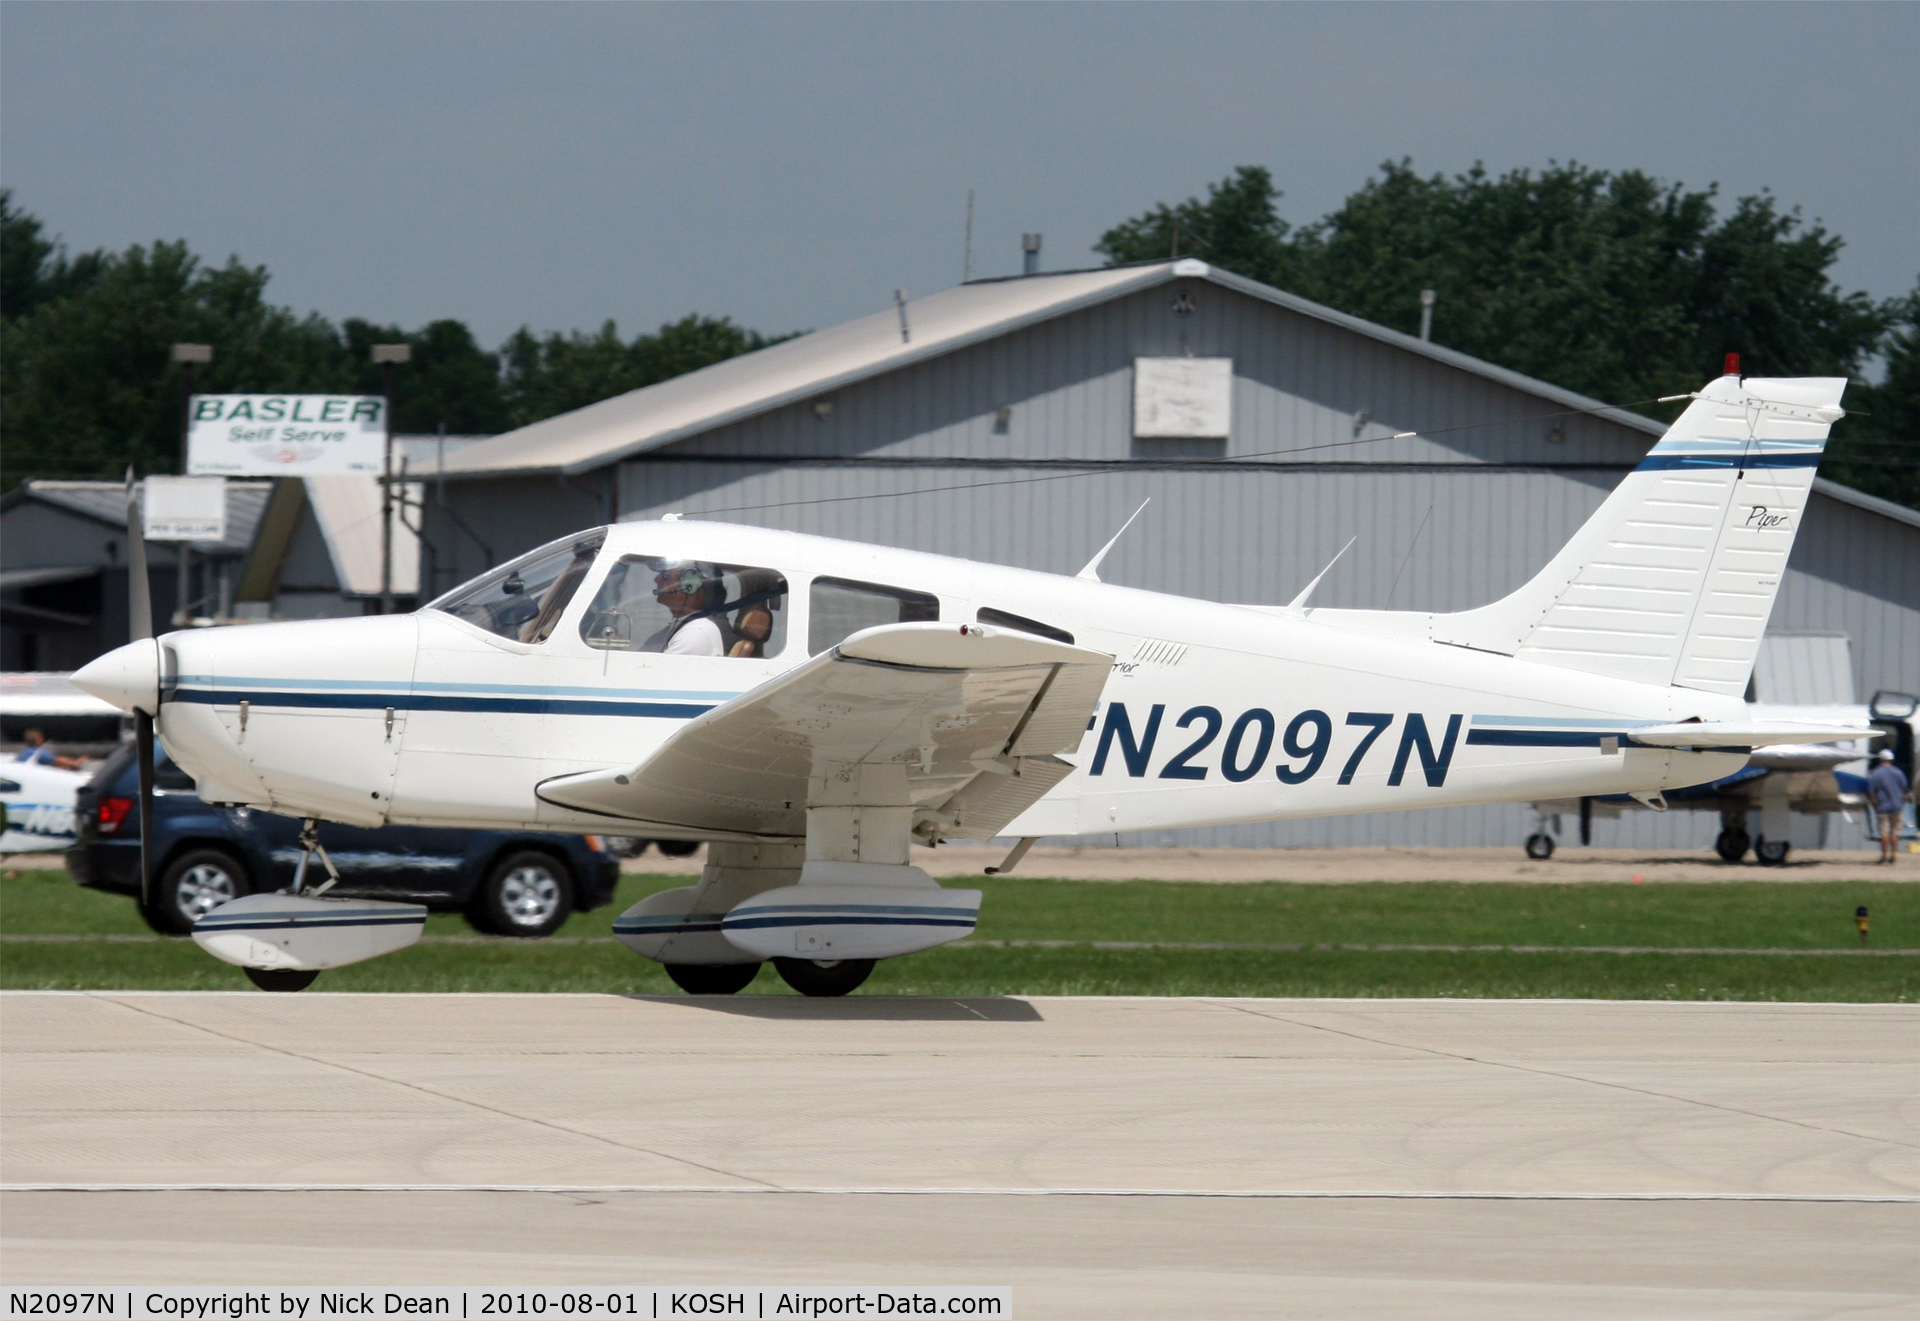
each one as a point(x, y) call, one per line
point(298, 979)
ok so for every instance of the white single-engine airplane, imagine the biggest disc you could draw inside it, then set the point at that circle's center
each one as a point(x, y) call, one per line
point(811, 707)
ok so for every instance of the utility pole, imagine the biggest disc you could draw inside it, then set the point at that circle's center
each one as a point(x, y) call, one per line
point(387, 355)
point(186, 355)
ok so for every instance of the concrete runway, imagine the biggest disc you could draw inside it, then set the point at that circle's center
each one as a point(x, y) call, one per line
point(1104, 1157)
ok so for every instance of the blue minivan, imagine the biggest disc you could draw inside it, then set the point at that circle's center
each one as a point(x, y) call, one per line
point(507, 882)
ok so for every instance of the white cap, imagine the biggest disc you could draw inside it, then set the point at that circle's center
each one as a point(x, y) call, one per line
point(1886, 754)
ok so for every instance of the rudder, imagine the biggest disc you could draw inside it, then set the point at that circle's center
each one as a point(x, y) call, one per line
point(1673, 578)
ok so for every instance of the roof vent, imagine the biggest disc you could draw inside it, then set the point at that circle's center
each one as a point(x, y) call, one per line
point(1030, 250)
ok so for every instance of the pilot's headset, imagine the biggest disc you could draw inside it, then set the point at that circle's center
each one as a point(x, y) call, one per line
point(691, 577)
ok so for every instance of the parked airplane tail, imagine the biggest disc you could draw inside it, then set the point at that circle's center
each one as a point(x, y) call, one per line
point(1672, 579)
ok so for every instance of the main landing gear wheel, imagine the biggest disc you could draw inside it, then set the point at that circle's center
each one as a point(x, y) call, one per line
point(1771, 852)
point(712, 978)
point(280, 979)
point(1540, 847)
point(1732, 845)
point(677, 848)
point(833, 977)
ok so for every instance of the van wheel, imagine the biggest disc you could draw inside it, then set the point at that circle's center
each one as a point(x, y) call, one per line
point(281, 979)
point(1771, 852)
point(527, 894)
point(190, 887)
point(712, 978)
point(1540, 847)
point(833, 977)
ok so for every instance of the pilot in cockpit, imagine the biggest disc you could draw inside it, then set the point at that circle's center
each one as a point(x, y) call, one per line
point(693, 593)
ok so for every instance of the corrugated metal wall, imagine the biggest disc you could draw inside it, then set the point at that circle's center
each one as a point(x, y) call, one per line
point(1453, 519)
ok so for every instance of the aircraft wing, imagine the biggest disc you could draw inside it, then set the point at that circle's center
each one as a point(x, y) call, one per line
point(1745, 733)
point(961, 722)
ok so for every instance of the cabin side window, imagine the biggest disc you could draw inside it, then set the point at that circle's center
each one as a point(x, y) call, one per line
point(1020, 623)
point(837, 608)
point(688, 608)
point(523, 600)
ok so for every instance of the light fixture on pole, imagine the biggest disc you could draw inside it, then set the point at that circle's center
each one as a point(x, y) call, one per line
point(387, 355)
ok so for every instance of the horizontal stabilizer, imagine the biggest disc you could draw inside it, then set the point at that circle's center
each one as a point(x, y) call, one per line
point(1745, 733)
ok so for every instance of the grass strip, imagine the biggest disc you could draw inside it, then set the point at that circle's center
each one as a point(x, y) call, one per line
point(1719, 941)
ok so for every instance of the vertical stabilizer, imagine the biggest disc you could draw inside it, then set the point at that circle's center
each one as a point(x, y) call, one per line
point(1672, 579)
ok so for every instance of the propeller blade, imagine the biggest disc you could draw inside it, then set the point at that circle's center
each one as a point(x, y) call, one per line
point(140, 626)
point(143, 749)
point(139, 589)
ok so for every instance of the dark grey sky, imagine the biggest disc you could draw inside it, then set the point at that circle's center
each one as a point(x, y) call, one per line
point(789, 165)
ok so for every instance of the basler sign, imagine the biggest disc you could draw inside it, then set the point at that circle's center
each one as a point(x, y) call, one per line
point(256, 435)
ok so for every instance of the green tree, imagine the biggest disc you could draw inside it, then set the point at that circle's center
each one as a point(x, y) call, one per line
point(1236, 226)
point(1877, 447)
point(36, 270)
point(451, 381)
point(559, 373)
point(1614, 284)
point(86, 384)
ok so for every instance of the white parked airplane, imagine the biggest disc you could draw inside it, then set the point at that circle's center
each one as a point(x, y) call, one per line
point(811, 707)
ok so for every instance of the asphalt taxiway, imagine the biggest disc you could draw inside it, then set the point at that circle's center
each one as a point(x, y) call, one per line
point(1104, 1157)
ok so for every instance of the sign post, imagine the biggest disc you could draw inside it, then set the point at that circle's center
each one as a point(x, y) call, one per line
point(186, 355)
point(387, 355)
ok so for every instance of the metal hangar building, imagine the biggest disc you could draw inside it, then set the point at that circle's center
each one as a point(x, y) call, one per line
point(1021, 421)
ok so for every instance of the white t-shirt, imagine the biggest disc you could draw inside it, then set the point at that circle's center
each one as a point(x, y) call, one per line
point(698, 637)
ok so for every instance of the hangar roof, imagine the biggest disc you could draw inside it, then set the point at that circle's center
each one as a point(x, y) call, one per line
point(107, 503)
point(796, 369)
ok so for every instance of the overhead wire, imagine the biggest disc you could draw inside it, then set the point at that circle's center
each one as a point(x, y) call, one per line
point(1223, 461)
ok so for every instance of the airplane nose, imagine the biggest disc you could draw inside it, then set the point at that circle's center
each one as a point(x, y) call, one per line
point(127, 677)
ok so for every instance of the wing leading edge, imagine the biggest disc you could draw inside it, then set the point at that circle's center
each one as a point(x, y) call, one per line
point(962, 723)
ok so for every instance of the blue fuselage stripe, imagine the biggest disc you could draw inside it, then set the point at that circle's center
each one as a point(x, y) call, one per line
point(1541, 738)
point(539, 706)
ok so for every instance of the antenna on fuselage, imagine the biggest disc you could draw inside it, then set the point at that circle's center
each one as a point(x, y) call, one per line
point(1092, 572)
point(1298, 605)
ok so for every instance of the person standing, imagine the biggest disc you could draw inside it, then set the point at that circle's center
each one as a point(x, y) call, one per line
point(1887, 789)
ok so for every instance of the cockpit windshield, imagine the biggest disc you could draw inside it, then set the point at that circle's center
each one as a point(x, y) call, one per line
point(524, 599)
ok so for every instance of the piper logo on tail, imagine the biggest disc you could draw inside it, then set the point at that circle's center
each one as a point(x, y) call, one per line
point(1759, 516)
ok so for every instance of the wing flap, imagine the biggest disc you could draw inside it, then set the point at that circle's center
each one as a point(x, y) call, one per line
point(943, 706)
